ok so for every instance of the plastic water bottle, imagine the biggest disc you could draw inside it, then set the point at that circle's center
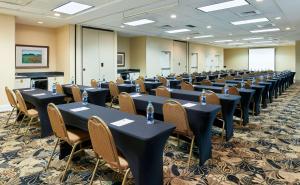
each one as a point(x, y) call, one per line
point(226, 90)
point(99, 84)
point(131, 80)
point(137, 88)
point(54, 88)
point(84, 97)
point(203, 97)
point(103, 79)
point(150, 113)
point(168, 84)
point(190, 79)
point(72, 80)
point(242, 84)
point(33, 85)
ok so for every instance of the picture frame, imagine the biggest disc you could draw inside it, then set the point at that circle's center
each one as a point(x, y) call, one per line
point(121, 59)
point(31, 56)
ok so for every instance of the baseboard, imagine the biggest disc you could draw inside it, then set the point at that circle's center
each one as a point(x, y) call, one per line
point(5, 108)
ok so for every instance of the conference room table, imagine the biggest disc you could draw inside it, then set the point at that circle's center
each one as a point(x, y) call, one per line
point(149, 85)
point(96, 96)
point(257, 97)
point(246, 96)
point(200, 78)
point(122, 87)
point(200, 118)
point(141, 144)
point(40, 99)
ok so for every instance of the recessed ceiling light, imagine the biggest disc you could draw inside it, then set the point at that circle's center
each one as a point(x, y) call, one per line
point(265, 30)
point(57, 14)
point(222, 6)
point(188, 38)
point(203, 36)
point(173, 16)
point(230, 34)
point(259, 0)
point(139, 22)
point(253, 38)
point(122, 26)
point(262, 42)
point(208, 27)
point(72, 8)
point(287, 28)
point(250, 21)
point(222, 41)
point(178, 31)
point(277, 18)
point(40, 22)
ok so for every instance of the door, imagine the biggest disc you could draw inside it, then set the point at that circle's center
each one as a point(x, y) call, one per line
point(90, 55)
point(194, 63)
point(165, 61)
point(179, 57)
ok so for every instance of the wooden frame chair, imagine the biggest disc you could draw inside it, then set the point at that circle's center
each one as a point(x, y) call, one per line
point(120, 80)
point(94, 83)
point(105, 148)
point(187, 86)
point(142, 86)
point(76, 93)
point(28, 113)
point(114, 92)
point(235, 91)
point(60, 90)
point(13, 103)
point(126, 103)
point(163, 80)
point(175, 113)
point(73, 137)
point(220, 80)
point(162, 91)
point(206, 82)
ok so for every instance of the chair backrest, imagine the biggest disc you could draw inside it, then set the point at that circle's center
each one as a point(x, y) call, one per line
point(57, 122)
point(221, 80)
point(59, 89)
point(187, 86)
point(233, 91)
point(175, 113)
point(229, 78)
point(163, 80)
point(76, 93)
point(113, 89)
point(21, 102)
point(206, 82)
point(248, 85)
point(212, 98)
point(120, 80)
point(163, 91)
point(179, 78)
point(11, 97)
point(94, 83)
point(126, 103)
point(103, 144)
point(142, 85)
point(257, 80)
point(141, 78)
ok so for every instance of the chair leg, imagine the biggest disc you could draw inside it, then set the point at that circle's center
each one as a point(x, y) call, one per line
point(58, 140)
point(191, 150)
point(11, 112)
point(223, 130)
point(21, 124)
point(178, 141)
point(94, 171)
point(28, 126)
point(19, 113)
point(111, 102)
point(69, 161)
point(253, 108)
point(125, 176)
point(241, 118)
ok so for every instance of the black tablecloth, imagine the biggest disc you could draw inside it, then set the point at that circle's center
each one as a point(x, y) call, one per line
point(246, 96)
point(95, 95)
point(140, 143)
point(200, 118)
point(129, 88)
point(41, 103)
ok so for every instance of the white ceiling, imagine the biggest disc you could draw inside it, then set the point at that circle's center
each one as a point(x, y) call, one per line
point(110, 14)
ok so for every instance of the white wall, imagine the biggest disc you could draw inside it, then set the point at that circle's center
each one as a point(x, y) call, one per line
point(7, 62)
point(124, 46)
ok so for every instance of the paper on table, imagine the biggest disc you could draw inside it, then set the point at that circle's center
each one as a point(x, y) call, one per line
point(41, 94)
point(90, 88)
point(79, 109)
point(135, 95)
point(122, 122)
point(189, 105)
point(28, 90)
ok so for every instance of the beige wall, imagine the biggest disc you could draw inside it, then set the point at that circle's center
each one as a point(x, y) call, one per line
point(124, 46)
point(138, 54)
point(237, 58)
point(297, 48)
point(33, 35)
point(7, 49)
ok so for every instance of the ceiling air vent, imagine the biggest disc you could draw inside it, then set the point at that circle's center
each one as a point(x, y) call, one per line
point(269, 25)
point(166, 27)
point(249, 13)
point(190, 26)
point(17, 2)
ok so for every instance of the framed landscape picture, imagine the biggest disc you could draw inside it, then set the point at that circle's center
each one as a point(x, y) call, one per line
point(28, 56)
point(121, 59)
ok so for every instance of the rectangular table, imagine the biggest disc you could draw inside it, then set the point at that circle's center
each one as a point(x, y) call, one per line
point(41, 103)
point(200, 117)
point(95, 95)
point(140, 143)
point(149, 85)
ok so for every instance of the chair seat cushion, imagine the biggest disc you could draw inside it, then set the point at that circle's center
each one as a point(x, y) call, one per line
point(76, 135)
point(32, 113)
point(123, 163)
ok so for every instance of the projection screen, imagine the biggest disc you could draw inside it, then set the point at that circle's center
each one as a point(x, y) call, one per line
point(262, 59)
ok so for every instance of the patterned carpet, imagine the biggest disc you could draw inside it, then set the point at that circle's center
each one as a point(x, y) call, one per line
point(265, 152)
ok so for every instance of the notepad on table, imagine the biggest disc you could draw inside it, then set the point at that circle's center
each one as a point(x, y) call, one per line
point(27, 90)
point(189, 105)
point(90, 88)
point(40, 94)
point(122, 122)
point(79, 109)
point(135, 95)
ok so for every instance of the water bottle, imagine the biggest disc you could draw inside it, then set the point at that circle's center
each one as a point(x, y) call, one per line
point(168, 84)
point(190, 79)
point(33, 85)
point(131, 80)
point(226, 90)
point(137, 88)
point(150, 113)
point(84, 97)
point(72, 80)
point(54, 88)
point(203, 97)
point(99, 84)
point(103, 79)
point(242, 84)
